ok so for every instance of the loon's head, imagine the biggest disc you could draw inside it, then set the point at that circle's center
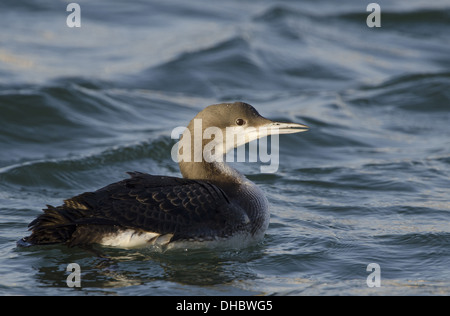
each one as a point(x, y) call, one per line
point(219, 128)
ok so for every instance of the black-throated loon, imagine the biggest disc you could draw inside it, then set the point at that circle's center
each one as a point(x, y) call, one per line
point(211, 203)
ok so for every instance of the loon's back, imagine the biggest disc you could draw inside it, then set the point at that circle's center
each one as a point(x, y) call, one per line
point(146, 209)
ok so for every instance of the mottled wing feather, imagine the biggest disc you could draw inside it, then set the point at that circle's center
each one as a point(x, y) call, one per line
point(185, 208)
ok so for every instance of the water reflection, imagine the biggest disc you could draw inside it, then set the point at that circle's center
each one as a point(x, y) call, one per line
point(119, 268)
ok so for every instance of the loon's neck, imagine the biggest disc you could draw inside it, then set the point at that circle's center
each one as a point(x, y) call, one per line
point(204, 159)
point(217, 172)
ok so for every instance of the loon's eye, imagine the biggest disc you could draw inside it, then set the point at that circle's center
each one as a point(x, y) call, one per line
point(240, 121)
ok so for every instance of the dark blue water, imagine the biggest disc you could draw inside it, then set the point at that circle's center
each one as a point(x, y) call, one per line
point(369, 183)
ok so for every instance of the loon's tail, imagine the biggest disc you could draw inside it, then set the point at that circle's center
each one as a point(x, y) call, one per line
point(54, 226)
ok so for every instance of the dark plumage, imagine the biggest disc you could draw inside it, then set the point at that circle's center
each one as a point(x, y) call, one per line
point(188, 209)
point(212, 202)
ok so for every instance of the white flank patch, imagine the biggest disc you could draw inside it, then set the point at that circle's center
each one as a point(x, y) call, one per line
point(130, 238)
